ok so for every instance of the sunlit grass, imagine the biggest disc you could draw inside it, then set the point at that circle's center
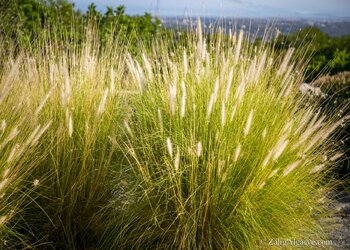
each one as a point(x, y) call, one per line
point(224, 150)
point(206, 144)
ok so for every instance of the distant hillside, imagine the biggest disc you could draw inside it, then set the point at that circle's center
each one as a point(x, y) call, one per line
point(333, 28)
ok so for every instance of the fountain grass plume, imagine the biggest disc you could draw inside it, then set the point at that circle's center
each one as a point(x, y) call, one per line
point(224, 151)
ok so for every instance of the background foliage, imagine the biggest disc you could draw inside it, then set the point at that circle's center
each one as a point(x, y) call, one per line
point(328, 53)
point(24, 20)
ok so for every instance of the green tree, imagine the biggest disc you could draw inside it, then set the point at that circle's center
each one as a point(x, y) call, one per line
point(26, 21)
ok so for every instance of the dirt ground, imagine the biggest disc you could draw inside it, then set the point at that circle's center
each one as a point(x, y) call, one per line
point(339, 228)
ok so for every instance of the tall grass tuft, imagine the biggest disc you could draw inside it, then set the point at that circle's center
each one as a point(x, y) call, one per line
point(223, 149)
point(74, 95)
point(200, 146)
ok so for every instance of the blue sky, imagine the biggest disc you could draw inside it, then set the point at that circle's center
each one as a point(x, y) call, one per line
point(228, 8)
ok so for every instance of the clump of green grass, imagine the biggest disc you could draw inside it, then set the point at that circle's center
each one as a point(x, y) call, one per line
point(206, 145)
point(223, 150)
point(77, 92)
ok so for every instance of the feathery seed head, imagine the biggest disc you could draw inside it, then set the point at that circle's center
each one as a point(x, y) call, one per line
point(216, 88)
point(317, 168)
point(234, 108)
point(213, 98)
point(40, 133)
point(35, 182)
point(322, 134)
point(229, 84)
point(199, 149)
point(14, 132)
point(147, 66)
point(237, 152)
point(251, 71)
point(132, 151)
point(248, 123)
point(261, 66)
point(285, 61)
point(32, 135)
point(199, 29)
point(267, 159)
point(128, 129)
point(239, 46)
point(240, 91)
point(70, 125)
point(223, 113)
point(3, 220)
point(336, 156)
point(291, 167)
point(273, 173)
point(177, 159)
point(169, 147)
point(140, 76)
point(183, 100)
point(14, 153)
point(210, 105)
point(261, 185)
point(41, 105)
point(102, 105)
point(172, 97)
point(135, 71)
point(264, 133)
point(279, 148)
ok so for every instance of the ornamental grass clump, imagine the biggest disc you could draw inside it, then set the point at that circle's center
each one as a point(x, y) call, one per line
point(73, 99)
point(224, 152)
point(203, 142)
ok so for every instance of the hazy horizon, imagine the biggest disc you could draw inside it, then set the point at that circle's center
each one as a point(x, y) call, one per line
point(326, 9)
